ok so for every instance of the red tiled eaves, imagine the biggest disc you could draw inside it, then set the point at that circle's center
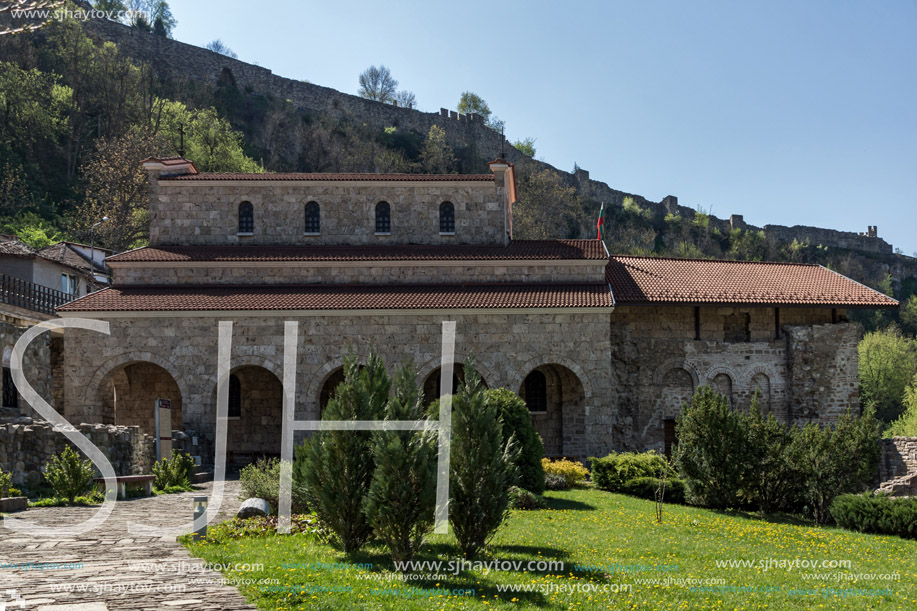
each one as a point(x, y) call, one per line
point(301, 176)
point(331, 297)
point(648, 280)
point(517, 250)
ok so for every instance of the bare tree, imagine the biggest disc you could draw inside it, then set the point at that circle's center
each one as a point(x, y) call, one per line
point(378, 84)
point(217, 46)
point(405, 99)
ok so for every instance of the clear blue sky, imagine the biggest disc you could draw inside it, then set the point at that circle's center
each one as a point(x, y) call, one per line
point(785, 112)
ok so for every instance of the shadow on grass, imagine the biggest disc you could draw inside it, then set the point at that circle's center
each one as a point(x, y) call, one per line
point(559, 503)
point(771, 518)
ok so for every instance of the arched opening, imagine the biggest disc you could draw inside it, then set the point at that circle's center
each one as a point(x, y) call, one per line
point(555, 396)
point(313, 218)
point(383, 218)
point(446, 217)
point(722, 384)
point(128, 394)
point(255, 415)
point(431, 385)
point(761, 384)
point(246, 218)
point(334, 379)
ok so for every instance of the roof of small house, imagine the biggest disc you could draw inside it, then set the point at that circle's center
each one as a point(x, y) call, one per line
point(343, 297)
point(516, 250)
point(660, 280)
point(337, 177)
point(64, 253)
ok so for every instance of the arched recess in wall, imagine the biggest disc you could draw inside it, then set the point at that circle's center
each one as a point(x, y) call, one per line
point(127, 396)
point(255, 414)
point(431, 384)
point(722, 381)
point(761, 384)
point(556, 400)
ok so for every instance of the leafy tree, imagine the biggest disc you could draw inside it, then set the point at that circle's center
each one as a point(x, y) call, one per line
point(712, 449)
point(517, 426)
point(887, 363)
point(217, 46)
point(906, 424)
point(153, 16)
point(526, 146)
point(545, 206)
point(773, 482)
point(823, 456)
point(68, 474)
point(908, 315)
point(338, 466)
point(405, 99)
point(401, 498)
point(481, 469)
point(113, 7)
point(32, 229)
point(436, 156)
point(377, 84)
point(471, 102)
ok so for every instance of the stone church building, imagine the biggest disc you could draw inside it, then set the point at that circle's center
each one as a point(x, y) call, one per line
point(604, 349)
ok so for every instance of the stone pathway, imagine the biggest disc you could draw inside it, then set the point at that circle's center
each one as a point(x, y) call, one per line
point(119, 570)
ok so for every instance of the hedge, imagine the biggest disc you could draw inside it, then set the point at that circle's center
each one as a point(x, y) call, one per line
point(613, 471)
point(646, 487)
point(878, 514)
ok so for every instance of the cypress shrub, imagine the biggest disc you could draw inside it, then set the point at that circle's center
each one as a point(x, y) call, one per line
point(68, 474)
point(517, 424)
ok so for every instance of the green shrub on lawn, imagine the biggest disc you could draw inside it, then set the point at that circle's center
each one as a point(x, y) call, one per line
point(69, 475)
point(174, 471)
point(6, 482)
point(553, 481)
point(878, 514)
point(646, 488)
point(613, 471)
point(519, 498)
point(572, 471)
point(261, 479)
point(517, 423)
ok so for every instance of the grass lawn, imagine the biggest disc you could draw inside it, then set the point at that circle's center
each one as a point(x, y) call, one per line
point(608, 543)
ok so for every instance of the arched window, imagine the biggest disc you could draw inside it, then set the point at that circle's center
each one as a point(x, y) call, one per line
point(235, 396)
point(383, 218)
point(536, 392)
point(446, 217)
point(313, 218)
point(246, 218)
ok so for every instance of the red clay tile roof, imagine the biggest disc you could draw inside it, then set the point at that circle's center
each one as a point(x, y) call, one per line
point(63, 253)
point(647, 280)
point(331, 177)
point(349, 297)
point(517, 250)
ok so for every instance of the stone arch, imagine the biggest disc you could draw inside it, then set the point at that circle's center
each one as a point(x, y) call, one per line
point(573, 366)
point(258, 429)
point(320, 377)
point(723, 380)
point(126, 396)
point(431, 382)
point(671, 364)
point(87, 407)
point(761, 383)
point(562, 423)
point(329, 384)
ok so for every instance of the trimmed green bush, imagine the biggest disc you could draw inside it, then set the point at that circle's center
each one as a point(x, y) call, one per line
point(174, 471)
point(517, 423)
point(879, 514)
point(261, 479)
point(572, 471)
point(613, 471)
point(646, 487)
point(337, 467)
point(520, 498)
point(68, 474)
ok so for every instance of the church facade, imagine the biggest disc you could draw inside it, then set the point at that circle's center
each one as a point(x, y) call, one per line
point(604, 349)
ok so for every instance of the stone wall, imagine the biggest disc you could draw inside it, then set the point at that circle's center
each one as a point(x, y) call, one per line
point(183, 61)
point(362, 272)
point(36, 361)
point(822, 361)
point(25, 449)
point(506, 346)
point(206, 212)
point(899, 458)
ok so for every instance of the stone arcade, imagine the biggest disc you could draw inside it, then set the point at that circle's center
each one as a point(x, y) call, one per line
point(603, 349)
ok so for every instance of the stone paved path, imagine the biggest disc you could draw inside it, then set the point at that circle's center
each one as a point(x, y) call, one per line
point(117, 567)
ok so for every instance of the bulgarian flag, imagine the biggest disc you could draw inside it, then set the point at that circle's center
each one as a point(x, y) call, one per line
point(601, 223)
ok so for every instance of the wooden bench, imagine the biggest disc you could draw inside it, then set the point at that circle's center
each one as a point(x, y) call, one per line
point(124, 480)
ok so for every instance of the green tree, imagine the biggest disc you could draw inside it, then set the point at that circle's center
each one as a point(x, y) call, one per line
point(338, 466)
point(481, 470)
point(68, 474)
point(517, 426)
point(112, 7)
point(712, 444)
point(773, 482)
point(545, 206)
point(471, 102)
point(908, 315)
point(377, 83)
point(437, 156)
point(526, 146)
point(401, 498)
point(906, 424)
point(887, 363)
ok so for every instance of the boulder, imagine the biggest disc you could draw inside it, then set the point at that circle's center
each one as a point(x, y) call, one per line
point(254, 507)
